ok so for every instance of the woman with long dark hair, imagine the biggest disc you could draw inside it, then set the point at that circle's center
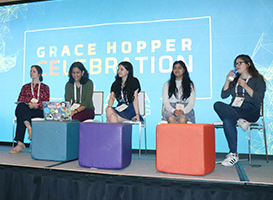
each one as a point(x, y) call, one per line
point(29, 106)
point(79, 91)
point(247, 90)
point(125, 90)
point(179, 96)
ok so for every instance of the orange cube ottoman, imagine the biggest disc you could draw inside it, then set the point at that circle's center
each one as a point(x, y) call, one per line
point(185, 148)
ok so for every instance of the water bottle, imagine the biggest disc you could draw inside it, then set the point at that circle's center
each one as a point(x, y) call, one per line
point(231, 78)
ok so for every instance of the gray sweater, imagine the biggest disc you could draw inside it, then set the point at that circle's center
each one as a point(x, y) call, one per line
point(256, 84)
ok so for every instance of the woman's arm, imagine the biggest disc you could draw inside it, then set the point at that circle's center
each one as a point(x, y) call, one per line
point(44, 96)
point(258, 88)
point(111, 100)
point(136, 105)
point(226, 85)
point(248, 89)
point(225, 93)
point(87, 96)
point(109, 110)
point(165, 96)
point(191, 99)
point(22, 95)
point(77, 110)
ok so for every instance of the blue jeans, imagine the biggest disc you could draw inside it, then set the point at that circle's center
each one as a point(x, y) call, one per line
point(229, 115)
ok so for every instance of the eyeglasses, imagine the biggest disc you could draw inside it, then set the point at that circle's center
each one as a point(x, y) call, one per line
point(239, 63)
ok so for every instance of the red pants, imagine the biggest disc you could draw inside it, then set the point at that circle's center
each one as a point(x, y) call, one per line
point(84, 115)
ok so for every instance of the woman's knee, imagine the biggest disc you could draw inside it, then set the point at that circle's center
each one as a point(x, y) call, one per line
point(109, 113)
point(182, 120)
point(217, 105)
point(111, 116)
point(171, 119)
point(21, 106)
point(22, 109)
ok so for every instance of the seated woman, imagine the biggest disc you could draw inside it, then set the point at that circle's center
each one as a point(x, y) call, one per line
point(179, 96)
point(29, 106)
point(79, 92)
point(125, 89)
point(247, 91)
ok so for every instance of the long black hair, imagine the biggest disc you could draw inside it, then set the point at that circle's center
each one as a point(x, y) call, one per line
point(81, 67)
point(39, 70)
point(186, 82)
point(251, 69)
point(128, 89)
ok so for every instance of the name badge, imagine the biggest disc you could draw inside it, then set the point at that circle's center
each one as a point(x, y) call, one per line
point(122, 107)
point(33, 100)
point(238, 101)
point(75, 106)
point(179, 106)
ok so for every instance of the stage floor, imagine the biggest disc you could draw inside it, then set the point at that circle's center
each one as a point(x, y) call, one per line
point(258, 174)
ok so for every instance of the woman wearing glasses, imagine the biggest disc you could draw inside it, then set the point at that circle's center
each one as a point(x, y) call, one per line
point(246, 86)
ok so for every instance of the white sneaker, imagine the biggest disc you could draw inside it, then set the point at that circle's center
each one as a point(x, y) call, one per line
point(231, 159)
point(243, 124)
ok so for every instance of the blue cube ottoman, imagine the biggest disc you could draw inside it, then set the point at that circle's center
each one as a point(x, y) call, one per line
point(105, 145)
point(55, 141)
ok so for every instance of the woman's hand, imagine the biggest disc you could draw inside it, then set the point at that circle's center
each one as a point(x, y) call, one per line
point(137, 118)
point(109, 112)
point(33, 105)
point(226, 86)
point(242, 82)
point(73, 112)
point(231, 73)
point(108, 109)
point(178, 112)
point(248, 89)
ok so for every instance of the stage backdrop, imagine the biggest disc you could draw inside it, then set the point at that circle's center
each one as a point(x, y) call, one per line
point(206, 35)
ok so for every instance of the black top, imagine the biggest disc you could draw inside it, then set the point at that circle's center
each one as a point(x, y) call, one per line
point(126, 94)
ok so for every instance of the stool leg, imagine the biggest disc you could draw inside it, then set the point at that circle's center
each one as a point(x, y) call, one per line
point(265, 144)
point(145, 139)
point(249, 146)
point(139, 151)
point(13, 132)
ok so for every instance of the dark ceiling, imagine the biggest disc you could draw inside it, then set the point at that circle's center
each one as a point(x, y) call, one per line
point(10, 2)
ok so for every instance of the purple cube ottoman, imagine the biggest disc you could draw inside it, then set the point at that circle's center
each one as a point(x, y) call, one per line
point(105, 145)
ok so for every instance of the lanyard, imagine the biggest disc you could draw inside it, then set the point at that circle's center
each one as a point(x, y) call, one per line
point(236, 87)
point(38, 92)
point(75, 93)
point(123, 97)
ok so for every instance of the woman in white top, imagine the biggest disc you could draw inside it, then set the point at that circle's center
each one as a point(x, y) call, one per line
point(179, 96)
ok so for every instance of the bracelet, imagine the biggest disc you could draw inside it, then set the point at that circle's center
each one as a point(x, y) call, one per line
point(77, 110)
point(137, 113)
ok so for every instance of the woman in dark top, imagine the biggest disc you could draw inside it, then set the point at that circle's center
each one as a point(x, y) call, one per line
point(247, 89)
point(29, 106)
point(79, 92)
point(125, 90)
